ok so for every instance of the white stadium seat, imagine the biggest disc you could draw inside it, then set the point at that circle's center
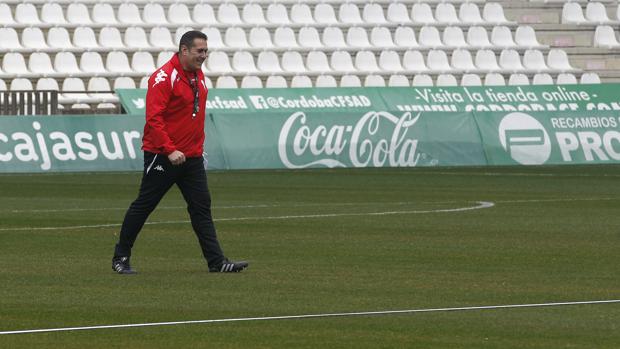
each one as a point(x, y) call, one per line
point(253, 14)
point(26, 13)
point(32, 37)
point(293, 62)
point(153, 13)
point(542, 79)
point(129, 14)
point(405, 37)
point(92, 63)
point(228, 13)
point(161, 38)
point(325, 81)
point(259, 37)
point(204, 14)
point(422, 80)
point(104, 14)
point(20, 84)
point(284, 37)
point(389, 61)
point(10, 39)
point(301, 14)
point(218, 62)
point(471, 80)
point(52, 13)
point(422, 13)
point(350, 81)
point(84, 37)
point(494, 79)
point(518, 79)
point(243, 61)
point(397, 13)
point(251, 81)
point(77, 13)
point(333, 38)
point(366, 62)
point(277, 14)
point(350, 14)
point(478, 37)
point(398, 80)
point(381, 37)
point(470, 13)
point(135, 38)
point(118, 63)
point(358, 38)
point(374, 80)
point(324, 14)
point(214, 38)
point(301, 81)
point(373, 14)
point(142, 62)
point(566, 79)
point(14, 63)
point(413, 61)
point(40, 63)
point(66, 63)
point(235, 37)
point(317, 62)
point(605, 36)
point(437, 61)
point(268, 62)
point(226, 82)
point(308, 37)
point(341, 62)
point(111, 38)
point(590, 78)
point(276, 81)
point(178, 13)
point(445, 13)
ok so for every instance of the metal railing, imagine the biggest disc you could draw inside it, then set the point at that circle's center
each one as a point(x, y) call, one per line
point(28, 102)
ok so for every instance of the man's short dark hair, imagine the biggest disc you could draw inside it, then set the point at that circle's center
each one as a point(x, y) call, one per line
point(187, 39)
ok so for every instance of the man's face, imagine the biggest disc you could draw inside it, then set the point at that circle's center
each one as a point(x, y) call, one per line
point(194, 57)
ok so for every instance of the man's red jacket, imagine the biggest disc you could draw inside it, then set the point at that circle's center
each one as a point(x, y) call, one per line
point(170, 124)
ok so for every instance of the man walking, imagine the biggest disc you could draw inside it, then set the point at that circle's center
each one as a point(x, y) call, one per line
point(173, 146)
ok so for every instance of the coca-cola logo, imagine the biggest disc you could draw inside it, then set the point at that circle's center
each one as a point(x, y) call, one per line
point(376, 140)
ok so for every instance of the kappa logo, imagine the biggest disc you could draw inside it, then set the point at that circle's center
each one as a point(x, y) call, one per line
point(159, 168)
point(161, 76)
point(525, 139)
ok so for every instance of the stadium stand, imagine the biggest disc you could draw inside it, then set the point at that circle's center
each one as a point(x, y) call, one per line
point(88, 44)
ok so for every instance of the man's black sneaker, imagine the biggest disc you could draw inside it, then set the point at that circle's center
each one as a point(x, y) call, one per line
point(229, 267)
point(121, 265)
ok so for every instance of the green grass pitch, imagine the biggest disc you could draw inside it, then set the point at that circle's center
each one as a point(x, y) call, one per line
point(552, 236)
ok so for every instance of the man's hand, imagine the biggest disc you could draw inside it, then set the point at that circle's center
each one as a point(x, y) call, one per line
point(176, 157)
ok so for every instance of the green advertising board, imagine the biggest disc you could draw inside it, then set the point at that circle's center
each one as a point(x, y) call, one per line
point(304, 128)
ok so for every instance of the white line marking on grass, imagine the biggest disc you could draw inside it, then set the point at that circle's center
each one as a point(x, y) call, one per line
point(311, 316)
point(481, 205)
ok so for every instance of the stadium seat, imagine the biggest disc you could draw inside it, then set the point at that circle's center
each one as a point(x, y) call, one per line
point(333, 38)
point(398, 80)
point(123, 82)
point(226, 82)
point(144, 82)
point(566, 79)
point(66, 63)
point(405, 37)
point(590, 78)
point(446, 80)
point(142, 63)
point(526, 37)
point(373, 14)
point(501, 37)
point(397, 13)
point(51, 13)
point(308, 37)
point(494, 79)
point(276, 81)
point(20, 84)
point(227, 13)
point(534, 61)
point(135, 38)
point(161, 38)
point(542, 79)
point(110, 38)
point(381, 37)
point(14, 63)
point(366, 62)
point(493, 13)
point(40, 63)
point(103, 13)
point(153, 13)
point(129, 14)
point(235, 37)
point(243, 61)
point(204, 14)
point(470, 13)
point(324, 14)
point(478, 37)
point(277, 14)
point(422, 13)
point(32, 38)
point(389, 61)
point(422, 80)
point(413, 61)
point(6, 15)
point(178, 13)
point(46, 84)
point(301, 81)
point(92, 63)
point(59, 39)
point(471, 80)
point(605, 36)
point(259, 37)
point(163, 57)
point(253, 14)
point(510, 61)
point(10, 40)
point(572, 13)
point(77, 86)
point(429, 37)
point(558, 60)
point(317, 62)
point(349, 14)
point(214, 38)
point(218, 62)
point(26, 13)
point(268, 62)
point(437, 61)
point(445, 13)
point(251, 81)
point(486, 61)
point(374, 80)
point(100, 84)
point(461, 60)
point(454, 37)
point(518, 79)
point(301, 14)
point(596, 13)
point(84, 37)
point(284, 37)
point(77, 13)
point(357, 37)
point(325, 81)
point(293, 62)
point(118, 63)
point(350, 81)
point(341, 62)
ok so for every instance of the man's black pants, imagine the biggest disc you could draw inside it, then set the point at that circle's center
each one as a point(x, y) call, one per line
point(158, 177)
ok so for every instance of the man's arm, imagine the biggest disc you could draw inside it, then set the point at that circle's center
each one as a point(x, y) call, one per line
point(157, 98)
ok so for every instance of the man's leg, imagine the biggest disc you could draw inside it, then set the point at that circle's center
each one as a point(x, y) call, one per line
point(193, 185)
point(157, 178)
